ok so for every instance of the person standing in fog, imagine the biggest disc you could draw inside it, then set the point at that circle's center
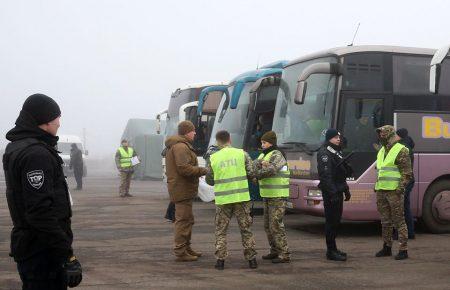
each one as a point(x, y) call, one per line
point(76, 163)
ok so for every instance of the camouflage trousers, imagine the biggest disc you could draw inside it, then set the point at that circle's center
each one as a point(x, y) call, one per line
point(125, 181)
point(274, 209)
point(390, 205)
point(224, 213)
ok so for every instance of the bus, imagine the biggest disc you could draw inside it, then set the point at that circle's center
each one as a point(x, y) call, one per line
point(357, 89)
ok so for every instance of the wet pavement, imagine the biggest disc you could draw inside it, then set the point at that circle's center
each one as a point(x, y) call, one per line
point(126, 244)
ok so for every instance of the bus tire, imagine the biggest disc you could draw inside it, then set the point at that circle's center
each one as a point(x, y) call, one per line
point(430, 214)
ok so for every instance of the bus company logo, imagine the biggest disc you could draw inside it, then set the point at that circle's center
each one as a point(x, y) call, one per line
point(434, 128)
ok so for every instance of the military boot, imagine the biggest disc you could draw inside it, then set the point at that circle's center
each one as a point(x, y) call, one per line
point(385, 252)
point(220, 264)
point(341, 253)
point(186, 258)
point(402, 255)
point(333, 255)
point(270, 256)
point(279, 260)
point(253, 264)
point(194, 253)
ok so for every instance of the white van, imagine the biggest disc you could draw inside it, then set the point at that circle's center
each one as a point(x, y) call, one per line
point(64, 145)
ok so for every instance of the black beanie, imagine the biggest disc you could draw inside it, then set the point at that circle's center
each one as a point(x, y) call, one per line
point(402, 132)
point(331, 133)
point(42, 108)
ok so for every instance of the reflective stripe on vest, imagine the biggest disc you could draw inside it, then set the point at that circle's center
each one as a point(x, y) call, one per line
point(274, 186)
point(388, 173)
point(125, 157)
point(230, 176)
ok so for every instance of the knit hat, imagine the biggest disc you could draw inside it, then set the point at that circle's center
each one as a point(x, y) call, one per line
point(270, 137)
point(185, 127)
point(330, 133)
point(41, 108)
point(402, 133)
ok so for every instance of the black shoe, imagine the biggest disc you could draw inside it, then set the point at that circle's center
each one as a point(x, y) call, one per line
point(402, 255)
point(335, 256)
point(341, 253)
point(279, 260)
point(220, 264)
point(385, 252)
point(270, 256)
point(253, 264)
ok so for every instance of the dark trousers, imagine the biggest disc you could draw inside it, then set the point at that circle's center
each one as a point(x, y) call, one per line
point(78, 173)
point(41, 272)
point(333, 214)
point(408, 214)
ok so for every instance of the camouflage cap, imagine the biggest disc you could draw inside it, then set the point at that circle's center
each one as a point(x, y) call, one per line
point(386, 132)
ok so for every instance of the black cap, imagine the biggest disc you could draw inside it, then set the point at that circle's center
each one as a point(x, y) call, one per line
point(330, 133)
point(42, 108)
point(402, 133)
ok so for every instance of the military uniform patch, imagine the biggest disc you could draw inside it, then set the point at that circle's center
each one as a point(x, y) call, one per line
point(324, 158)
point(36, 178)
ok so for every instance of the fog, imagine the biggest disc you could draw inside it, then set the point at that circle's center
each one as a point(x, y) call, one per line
point(108, 61)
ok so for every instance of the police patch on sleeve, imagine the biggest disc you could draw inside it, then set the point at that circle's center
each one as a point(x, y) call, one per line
point(36, 178)
point(324, 158)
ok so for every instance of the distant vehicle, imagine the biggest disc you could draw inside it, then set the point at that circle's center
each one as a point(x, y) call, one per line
point(64, 146)
point(357, 89)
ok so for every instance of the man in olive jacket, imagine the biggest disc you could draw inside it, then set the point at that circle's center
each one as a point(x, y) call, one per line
point(182, 172)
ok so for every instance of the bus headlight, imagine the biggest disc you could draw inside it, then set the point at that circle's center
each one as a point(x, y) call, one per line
point(314, 193)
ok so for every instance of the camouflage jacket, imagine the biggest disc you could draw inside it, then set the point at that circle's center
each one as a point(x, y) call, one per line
point(210, 175)
point(388, 139)
point(264, 169)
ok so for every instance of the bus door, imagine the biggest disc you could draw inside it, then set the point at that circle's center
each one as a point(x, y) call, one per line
point(359, 116)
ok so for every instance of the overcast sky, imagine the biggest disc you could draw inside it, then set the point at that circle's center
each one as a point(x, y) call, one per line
point(107, 61)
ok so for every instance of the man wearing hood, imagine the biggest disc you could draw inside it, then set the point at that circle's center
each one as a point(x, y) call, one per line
point(38, 199)
point(333, 172)
point(183, 172)
point(76, 163)
point(394, 174)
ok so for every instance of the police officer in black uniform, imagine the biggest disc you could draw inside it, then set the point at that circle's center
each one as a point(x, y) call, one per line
point(333, 171)
point(38, 199)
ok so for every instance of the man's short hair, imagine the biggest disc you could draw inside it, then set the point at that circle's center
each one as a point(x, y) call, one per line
point(124, 141)
point(223, 137)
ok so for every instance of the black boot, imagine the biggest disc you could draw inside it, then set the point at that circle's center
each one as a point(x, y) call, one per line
point(253, 264)
point(402, 255)
point(385, 252)
point(279, 260)
point(270, 256)
point(341, 253)
point(333, 255)
point(220, 264)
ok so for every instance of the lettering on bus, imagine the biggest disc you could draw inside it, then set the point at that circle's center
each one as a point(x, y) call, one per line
point(435, 128)
point(300, 168)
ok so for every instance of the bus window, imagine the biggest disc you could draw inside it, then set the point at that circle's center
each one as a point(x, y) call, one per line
point(444, 84)
point(361, 118)
point(411, 74)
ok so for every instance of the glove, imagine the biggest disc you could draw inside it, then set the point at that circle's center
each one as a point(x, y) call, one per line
point(73, 272)
point(347, 194)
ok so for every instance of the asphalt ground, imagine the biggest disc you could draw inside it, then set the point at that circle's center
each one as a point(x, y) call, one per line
point(127, 244)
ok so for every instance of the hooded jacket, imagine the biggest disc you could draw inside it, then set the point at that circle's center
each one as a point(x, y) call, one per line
point(182, 169)
point(37, 193)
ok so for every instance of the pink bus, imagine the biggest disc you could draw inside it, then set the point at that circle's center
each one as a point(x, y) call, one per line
point(357, 89)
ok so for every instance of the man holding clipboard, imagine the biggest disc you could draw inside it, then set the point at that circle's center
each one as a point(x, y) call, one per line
point(126, 160)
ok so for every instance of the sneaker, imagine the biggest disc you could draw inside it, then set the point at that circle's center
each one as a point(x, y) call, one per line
point(402, 255)
point(384, 252)
point(186, 258)
point(253, 264)
point(220, 264)
point(335, 256)
point(270, 256)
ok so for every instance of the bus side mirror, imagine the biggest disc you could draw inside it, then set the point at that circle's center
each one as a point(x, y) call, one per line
point(316, 68)
point(435, 68)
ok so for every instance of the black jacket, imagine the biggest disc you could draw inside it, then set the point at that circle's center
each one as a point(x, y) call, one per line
point(332, 171)
point(37, 193)
point(76, 158)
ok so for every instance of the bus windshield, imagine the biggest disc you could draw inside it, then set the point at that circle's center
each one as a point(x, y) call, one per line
point(176, 101)
point(304, 123)
point(233, 119)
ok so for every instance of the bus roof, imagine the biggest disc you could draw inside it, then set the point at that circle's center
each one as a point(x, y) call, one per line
point(199, 85)
point(268, 69)
point(340, 51)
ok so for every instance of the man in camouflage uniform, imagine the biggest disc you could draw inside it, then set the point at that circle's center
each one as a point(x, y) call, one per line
point(390, 202)
point(228, 170)
point(271, 169)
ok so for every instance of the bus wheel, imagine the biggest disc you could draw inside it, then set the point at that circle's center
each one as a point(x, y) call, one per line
point(436, 207)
